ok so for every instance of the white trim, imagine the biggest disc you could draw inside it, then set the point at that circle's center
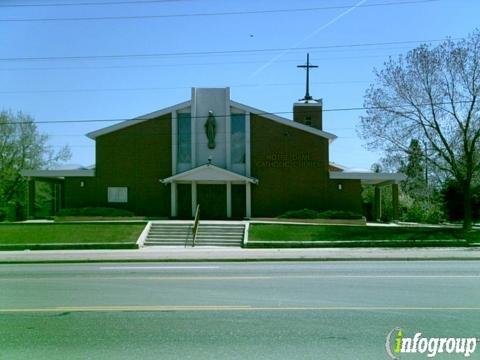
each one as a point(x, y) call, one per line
point(248, 201)
point(193, 128)
point(143, 235)
point(284, 121)
point(338, 166)
point(194, 198)
point(173, 199)
point(248, 160)
point(58, 173)
point(228, 130)
point(232, 176)
point(367, 178)
point(229, 199)
point(245, 234)
point(318, 102)
point(174, 142)
point(138, 120)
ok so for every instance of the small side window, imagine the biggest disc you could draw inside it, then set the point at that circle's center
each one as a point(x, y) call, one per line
point(117, 194)
point(308, 120)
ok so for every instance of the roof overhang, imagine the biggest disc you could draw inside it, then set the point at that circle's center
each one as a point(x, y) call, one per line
point(186, 104)
point(58, 173)
point(368, 178)
point(209, 173)
point(138, 120)
point(339, 167)
point(283, 120)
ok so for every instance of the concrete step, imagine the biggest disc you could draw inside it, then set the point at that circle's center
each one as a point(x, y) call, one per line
point(171, 229)
point(165, 237)
point(202, 233)
point(220, 231)
point(173, 233)
point(208, 235)
point(218, 238)
point(169, 242)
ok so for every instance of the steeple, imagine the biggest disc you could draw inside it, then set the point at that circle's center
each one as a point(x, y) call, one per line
point(308, 66)
point(309, 110)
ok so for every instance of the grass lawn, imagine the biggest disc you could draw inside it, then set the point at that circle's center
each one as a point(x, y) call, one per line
point(279, 235)
point(52, 235)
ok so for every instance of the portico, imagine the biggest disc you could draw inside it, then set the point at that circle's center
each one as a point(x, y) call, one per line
point(378, 180)
point(210, 186)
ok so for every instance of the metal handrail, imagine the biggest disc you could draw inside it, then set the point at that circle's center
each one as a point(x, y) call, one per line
point(195, 225)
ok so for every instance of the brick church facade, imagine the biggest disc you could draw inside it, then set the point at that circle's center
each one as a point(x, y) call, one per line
point(233, 160)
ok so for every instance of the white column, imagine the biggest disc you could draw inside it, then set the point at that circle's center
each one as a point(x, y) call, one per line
point(228, 131)
point(174, 142)
point(229, 199)
point(173, 199)
point(248, 165)
point(194, 198)
point(248, 200)
point(193, 129)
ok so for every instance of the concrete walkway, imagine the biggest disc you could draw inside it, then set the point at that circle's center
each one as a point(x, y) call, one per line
point(237, 254)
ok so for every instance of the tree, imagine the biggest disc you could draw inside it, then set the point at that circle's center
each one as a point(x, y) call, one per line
point(452, 198)
point(415, 184)
point(431, 95)
point(22, 147)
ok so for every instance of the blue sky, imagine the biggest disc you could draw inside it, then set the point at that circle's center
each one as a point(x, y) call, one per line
point(59, 89)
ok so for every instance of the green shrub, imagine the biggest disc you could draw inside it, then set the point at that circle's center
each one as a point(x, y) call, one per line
point(339, 214)
point(95, 211)
point(313, 214)
point(423, 212)
point(300, 214)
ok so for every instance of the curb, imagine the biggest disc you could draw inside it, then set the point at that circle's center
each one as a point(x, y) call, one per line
point(69, 246)
point(237, 260)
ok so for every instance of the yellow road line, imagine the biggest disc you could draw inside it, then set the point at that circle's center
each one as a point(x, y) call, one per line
point(160, 308)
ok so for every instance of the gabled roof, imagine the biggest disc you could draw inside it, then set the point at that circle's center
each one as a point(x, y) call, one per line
point(283, 120)
point(208, 172)
point(138, 120)
point(182, 105)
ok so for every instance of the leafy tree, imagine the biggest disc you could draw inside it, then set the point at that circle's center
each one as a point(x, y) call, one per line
point(22, 147)
point(415, 184)
point(431, 94)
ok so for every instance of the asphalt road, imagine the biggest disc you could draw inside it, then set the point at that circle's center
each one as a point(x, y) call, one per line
point(280, 310)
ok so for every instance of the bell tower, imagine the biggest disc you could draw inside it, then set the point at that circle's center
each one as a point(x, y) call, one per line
point(308, 111)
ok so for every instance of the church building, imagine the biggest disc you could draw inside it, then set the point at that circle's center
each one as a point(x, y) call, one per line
point(233, 160)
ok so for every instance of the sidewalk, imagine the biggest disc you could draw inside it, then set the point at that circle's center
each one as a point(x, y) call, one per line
point(237, 254)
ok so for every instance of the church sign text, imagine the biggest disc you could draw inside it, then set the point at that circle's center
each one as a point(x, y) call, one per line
point(290, 160)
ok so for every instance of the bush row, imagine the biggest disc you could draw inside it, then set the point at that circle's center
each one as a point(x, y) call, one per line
point(313, 214)
point(95, 211)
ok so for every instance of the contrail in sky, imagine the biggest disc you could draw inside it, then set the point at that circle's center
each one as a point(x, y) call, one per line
point(309, 36)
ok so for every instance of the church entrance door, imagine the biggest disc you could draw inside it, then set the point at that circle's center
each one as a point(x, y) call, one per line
point(213, 201)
